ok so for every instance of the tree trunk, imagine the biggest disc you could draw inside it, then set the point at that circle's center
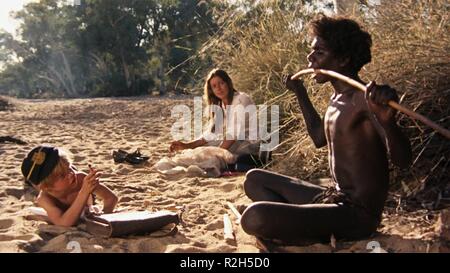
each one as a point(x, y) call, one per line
point(68, 71)
point(126, 70)
point(162, 86)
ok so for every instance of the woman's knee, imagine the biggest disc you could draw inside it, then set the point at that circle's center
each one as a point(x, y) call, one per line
point(254, 219)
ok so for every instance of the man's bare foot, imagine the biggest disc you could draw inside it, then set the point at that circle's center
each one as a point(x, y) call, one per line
point(268, 246)
point(241, 208)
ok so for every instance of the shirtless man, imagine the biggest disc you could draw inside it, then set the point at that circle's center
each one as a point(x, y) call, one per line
point(359, 130)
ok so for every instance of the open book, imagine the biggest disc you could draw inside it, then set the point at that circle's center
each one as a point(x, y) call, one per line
point(130, 223)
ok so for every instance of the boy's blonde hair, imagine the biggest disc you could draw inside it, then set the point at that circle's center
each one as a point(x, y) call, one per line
point(60, 171)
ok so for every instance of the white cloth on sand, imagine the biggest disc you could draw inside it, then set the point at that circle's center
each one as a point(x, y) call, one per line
point(203, 161)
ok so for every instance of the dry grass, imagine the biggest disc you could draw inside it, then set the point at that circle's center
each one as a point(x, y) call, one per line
point(257, 48)
point(411, 53)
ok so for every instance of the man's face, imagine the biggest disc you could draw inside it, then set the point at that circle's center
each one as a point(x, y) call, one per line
point(321, 57)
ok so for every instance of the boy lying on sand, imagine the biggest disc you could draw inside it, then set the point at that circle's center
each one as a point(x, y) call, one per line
point(64, 193)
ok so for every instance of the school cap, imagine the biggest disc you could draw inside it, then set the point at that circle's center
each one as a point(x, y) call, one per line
point(39, 163)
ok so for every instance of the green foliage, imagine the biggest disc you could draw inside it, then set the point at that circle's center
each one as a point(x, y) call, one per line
point(102, 47)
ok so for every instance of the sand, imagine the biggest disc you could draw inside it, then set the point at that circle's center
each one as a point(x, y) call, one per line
point(92, 128)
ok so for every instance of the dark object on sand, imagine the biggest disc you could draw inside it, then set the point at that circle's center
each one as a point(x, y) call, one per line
point(4, 139)
point(131, 223)
point(5, 104)
point(247, 162)
point(134, 158)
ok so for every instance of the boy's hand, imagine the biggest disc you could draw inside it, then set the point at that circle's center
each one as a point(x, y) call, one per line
point(377, 97)
point(94, 210)
point(91, 181)
point(294, 85)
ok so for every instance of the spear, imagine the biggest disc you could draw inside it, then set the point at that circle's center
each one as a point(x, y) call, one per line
point(363, 88)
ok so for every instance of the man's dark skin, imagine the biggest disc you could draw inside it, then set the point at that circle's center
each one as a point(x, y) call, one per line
point(356, 150)
point(357, 127)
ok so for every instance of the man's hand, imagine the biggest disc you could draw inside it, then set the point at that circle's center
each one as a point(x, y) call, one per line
point(377, 97)
point(294, 85)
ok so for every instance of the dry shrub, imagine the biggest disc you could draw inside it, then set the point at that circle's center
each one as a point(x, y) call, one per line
point(257, 48)
point(410, 52)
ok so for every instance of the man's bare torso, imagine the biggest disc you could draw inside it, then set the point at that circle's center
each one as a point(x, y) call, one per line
point(357, 155)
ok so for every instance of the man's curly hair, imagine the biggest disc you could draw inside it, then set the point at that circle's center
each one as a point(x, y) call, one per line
point(345, 38)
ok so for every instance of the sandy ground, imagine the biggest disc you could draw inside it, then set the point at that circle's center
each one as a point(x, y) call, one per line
point(92, 128)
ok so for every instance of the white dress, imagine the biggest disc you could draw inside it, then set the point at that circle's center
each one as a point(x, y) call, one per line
point(237, 121)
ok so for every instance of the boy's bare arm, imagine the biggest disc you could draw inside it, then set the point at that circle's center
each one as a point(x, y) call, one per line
point(314, 123)
point(109, 198)
point(72, 214)
point(59, 217)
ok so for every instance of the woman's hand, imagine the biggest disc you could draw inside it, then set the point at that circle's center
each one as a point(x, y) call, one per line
point(178, 145)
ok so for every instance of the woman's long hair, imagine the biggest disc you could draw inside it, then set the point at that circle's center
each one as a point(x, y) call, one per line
point(209, 96)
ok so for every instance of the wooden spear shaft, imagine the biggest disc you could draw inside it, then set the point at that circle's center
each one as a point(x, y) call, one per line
point(228, 232)
point(363, 88)
point(235, 212)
